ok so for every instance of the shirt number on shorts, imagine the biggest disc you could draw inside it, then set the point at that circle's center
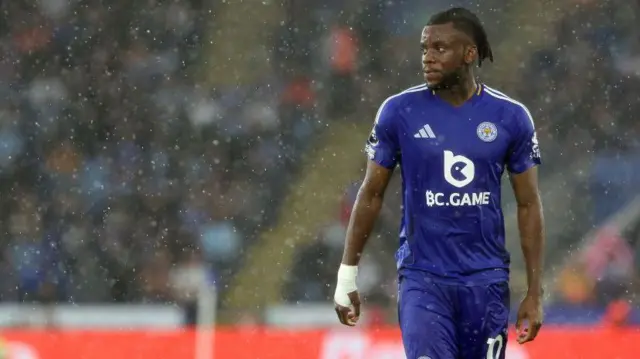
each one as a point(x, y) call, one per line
point(493, 342)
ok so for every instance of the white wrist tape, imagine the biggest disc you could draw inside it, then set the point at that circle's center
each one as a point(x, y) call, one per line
point(346, 284)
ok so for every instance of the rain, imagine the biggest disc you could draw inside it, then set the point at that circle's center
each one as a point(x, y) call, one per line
point(177, 176)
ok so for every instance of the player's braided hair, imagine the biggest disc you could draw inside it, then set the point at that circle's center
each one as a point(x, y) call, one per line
point(467, 22)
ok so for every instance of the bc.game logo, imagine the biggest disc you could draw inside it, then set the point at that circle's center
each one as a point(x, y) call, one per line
point(458, 170)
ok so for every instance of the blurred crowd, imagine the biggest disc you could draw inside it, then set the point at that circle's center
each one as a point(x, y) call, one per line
point(584, 88)
point(594, 71)
point(122, 177)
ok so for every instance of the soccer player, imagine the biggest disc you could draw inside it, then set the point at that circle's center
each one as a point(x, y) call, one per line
point(452, 138)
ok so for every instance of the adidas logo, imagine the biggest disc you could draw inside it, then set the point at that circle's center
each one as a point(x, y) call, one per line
point(425, 132)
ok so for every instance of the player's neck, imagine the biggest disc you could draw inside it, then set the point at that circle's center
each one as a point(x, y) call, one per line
point(457, 95)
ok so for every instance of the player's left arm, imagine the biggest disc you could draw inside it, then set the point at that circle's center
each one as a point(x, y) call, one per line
point(522, 164)
point(531, 226)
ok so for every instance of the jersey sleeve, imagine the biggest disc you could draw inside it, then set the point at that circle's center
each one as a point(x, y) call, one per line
point(382, 146)
point(524, 151)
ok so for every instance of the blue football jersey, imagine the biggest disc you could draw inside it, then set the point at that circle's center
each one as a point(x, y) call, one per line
point(452, 160)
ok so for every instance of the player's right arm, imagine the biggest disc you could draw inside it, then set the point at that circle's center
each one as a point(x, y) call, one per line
point(383, 151)
point(365, 211)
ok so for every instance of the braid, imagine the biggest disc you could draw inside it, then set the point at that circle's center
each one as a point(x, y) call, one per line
point(467, 22)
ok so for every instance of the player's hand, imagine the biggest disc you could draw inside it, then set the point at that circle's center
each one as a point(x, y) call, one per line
point(346, 299)
point(349, 315)
point(530, 311)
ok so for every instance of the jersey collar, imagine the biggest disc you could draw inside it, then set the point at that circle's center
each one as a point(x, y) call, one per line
point(477, 95)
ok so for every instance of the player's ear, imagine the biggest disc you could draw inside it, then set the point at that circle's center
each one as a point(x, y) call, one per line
point(470, 54)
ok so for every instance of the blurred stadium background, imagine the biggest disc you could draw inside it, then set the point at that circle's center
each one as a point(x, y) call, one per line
point(167, 164)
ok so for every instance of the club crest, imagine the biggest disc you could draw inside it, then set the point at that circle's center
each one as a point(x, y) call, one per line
point(487, 131)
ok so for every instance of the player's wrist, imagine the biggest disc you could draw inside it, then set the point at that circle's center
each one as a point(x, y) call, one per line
point(347, 275)
point(346, 284)
point(536, 291)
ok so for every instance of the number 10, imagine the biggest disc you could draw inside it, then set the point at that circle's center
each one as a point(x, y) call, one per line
point(492, 343)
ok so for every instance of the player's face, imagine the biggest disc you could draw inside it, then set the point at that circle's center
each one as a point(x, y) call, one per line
point(443, 55)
